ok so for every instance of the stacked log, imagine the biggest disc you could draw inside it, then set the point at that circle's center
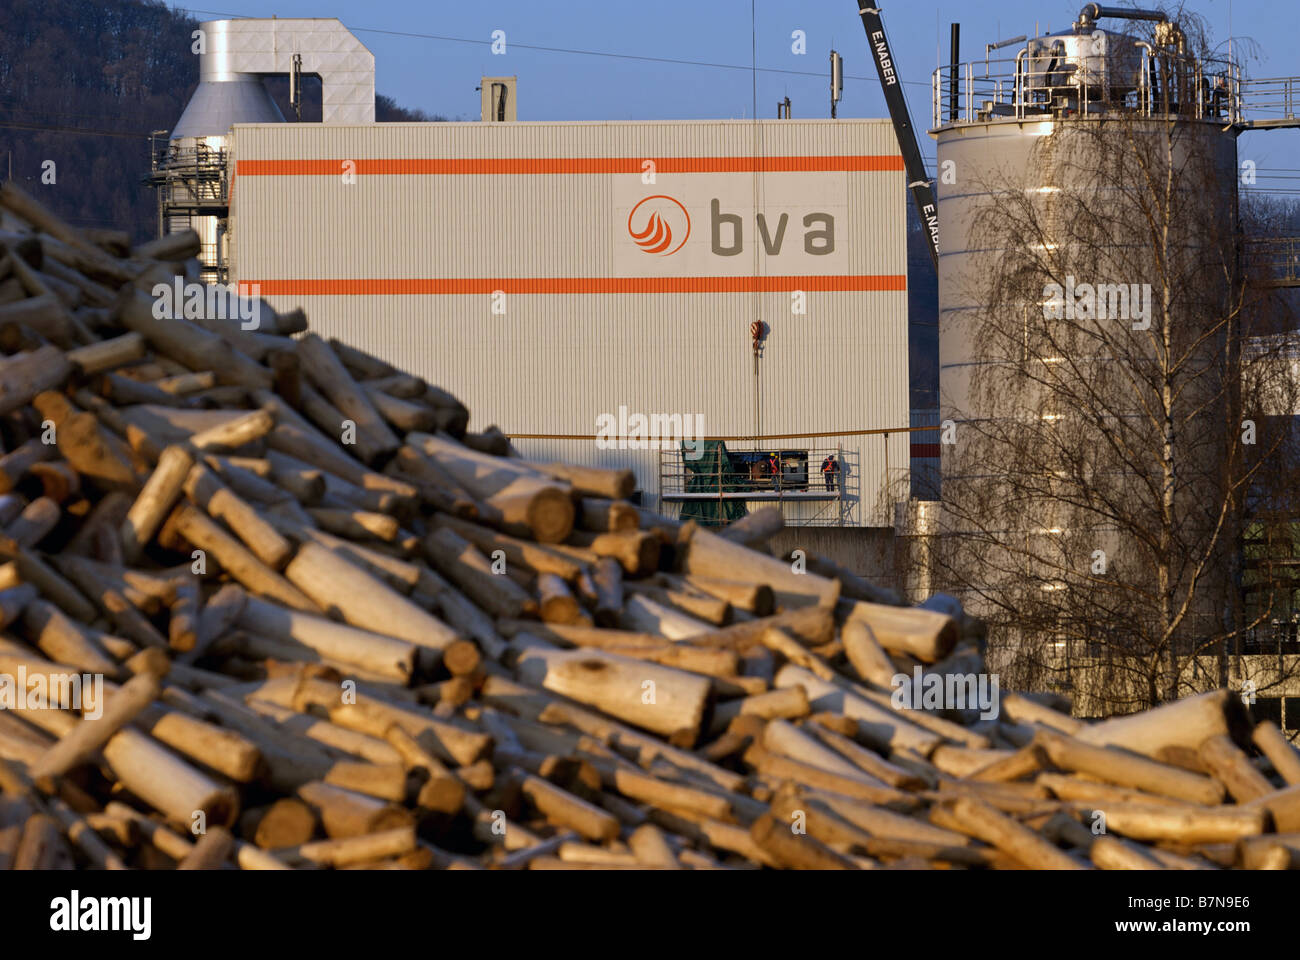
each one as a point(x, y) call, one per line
point(314, 622)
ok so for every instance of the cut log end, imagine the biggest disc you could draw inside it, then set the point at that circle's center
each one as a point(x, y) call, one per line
point(550, 515)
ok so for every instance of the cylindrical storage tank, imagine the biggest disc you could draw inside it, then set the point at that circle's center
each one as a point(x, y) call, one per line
point(1041, 402)
point(916, 528)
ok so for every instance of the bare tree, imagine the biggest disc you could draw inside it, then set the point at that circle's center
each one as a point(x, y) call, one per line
point(1121, 434)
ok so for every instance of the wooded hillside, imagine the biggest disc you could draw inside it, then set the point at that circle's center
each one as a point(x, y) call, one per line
point(84, 82)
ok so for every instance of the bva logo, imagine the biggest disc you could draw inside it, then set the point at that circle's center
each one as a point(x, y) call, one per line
point(663, 225)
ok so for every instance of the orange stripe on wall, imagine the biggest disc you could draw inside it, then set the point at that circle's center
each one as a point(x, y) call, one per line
point(562, 165)
point(488, 285)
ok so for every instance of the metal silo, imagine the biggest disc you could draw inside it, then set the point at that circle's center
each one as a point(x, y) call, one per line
point(1025, 122)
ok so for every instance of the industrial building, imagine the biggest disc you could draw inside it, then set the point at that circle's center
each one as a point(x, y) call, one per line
point(615, 293)
point(740, 279)
point(502, 262)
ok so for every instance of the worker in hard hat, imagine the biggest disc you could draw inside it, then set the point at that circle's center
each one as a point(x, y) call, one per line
point(830, 467)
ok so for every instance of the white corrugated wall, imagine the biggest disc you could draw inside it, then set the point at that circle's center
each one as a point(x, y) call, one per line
point(554, 361)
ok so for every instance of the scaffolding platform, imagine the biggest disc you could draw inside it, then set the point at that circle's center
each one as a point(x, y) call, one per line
point(192, 183)
point(770, 476)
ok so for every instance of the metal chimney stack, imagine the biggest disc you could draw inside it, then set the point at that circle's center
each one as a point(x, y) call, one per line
point(190, 171)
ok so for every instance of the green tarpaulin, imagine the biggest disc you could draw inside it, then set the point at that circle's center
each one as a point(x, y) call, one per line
point(712, 472)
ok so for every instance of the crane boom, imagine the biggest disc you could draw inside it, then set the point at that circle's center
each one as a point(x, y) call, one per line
point(917, 181)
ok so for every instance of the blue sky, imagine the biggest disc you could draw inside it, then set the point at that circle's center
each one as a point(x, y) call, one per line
point(440, 76)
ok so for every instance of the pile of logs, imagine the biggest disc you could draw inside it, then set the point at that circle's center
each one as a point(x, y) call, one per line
point(315, 622)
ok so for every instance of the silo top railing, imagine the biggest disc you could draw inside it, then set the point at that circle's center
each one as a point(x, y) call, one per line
point(1049, 87)
point(1271, 101)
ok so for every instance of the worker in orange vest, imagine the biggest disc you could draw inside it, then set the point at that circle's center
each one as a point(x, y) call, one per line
point(774, 468)
point(830, 467)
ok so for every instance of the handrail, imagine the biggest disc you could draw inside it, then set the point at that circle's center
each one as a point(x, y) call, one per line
point(1030, 86)
point(1273, 98)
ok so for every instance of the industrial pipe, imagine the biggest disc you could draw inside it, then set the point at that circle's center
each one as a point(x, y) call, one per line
point(990, 47)
point(953, 85)
point(1095, 11)
point(1144, 77)
point(1020, 82)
